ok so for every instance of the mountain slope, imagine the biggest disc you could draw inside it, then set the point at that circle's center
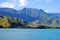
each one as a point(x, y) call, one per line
point(34, 17)
point(27, 14)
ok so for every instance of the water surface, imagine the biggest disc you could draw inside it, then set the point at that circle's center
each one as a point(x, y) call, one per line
point(29, 34)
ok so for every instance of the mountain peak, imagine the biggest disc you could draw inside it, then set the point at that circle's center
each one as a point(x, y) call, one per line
point(7, 10)
point(42, 11)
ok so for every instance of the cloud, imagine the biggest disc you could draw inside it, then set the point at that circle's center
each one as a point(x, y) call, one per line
point(52, 11)
point(47, 10)
point(7, 4)
point(23, 3)
point(14, 3)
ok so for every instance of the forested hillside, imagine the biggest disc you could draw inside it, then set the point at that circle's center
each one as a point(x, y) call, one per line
point(8, 22)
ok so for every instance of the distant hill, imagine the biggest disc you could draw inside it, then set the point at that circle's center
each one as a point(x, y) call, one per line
point(54, 14)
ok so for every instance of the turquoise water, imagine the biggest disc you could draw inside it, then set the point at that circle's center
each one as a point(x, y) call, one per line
point(29, 34)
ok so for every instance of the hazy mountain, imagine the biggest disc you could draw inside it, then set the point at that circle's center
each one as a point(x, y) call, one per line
point(54, 14)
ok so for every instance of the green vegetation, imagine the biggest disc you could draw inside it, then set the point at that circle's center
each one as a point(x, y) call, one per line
point(4, 22)
point(8, 22)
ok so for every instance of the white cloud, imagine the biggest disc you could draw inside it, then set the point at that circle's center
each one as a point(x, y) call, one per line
point(7, 4)
point(23, 3)
point(52, 11)
point(47, 10)
point(14, 3)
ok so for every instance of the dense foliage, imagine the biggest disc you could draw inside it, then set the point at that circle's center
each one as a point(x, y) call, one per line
point(8, 22)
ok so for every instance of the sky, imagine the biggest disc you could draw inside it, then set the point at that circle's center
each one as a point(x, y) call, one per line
point(47, 5)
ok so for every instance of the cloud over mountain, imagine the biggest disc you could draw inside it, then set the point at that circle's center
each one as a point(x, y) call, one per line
point(56, 10)
point(13, 3)
point(7, 4)
point(23, 2)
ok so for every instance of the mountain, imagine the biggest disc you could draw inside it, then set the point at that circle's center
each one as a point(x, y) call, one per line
point(32, 14)
point(54, 14)
point(34, 17)
point(27, 14)
point(7, 12)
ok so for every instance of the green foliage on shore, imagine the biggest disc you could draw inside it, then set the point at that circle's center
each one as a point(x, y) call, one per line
point(8, 22)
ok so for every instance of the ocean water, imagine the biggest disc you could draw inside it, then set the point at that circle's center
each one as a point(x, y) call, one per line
point(29, 34)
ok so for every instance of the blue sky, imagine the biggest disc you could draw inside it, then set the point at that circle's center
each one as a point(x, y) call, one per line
point(46, 5)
